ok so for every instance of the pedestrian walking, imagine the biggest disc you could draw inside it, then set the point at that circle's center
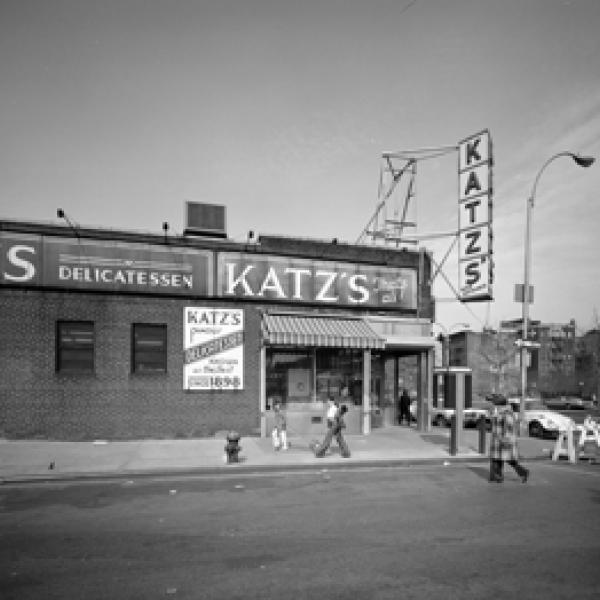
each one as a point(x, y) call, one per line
point(503, 445)
point(404, 407)
point(335, 430)
point(332, 412)
point(339, 432)
point(332, 415)
point(279, 433)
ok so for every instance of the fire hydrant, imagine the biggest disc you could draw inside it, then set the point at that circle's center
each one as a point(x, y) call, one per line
point(232, 448)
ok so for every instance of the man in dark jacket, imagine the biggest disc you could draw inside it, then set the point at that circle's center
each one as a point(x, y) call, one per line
point(404, 408)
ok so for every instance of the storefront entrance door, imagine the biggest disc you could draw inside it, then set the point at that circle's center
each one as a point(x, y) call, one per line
point(390, 373)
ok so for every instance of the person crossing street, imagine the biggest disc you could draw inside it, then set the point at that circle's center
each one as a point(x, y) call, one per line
point(503, 445)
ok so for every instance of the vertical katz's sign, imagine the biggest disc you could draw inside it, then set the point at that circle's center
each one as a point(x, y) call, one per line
point(213, 349)
point(475, 261)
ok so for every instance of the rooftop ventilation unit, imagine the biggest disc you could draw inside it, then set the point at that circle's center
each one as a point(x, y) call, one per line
point(205, 220)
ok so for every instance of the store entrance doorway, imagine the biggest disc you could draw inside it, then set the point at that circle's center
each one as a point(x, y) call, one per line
point(391, 372)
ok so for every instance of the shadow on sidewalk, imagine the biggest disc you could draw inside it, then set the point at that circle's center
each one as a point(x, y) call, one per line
point(435, 438)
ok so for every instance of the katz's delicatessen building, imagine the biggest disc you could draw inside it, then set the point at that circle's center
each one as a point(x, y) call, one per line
point(123, 335)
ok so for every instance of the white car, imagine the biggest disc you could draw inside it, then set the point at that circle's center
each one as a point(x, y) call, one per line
point(542, 422)
point(546, 423)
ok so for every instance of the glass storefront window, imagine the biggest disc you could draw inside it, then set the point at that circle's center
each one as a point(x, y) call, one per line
point(339, 374)
point(302, 380)
point(313, 375)
point(289, 376)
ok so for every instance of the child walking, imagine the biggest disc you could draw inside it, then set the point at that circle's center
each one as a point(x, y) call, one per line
point(279, 433)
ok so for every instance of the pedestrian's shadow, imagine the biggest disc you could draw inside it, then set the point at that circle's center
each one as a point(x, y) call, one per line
point(482, 472)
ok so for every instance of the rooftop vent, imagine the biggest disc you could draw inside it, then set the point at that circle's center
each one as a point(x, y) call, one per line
point(206, 220)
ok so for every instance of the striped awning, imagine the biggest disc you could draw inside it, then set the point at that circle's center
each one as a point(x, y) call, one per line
point(295, 330)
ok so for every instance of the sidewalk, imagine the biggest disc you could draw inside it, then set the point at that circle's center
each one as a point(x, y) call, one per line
point(33, 460)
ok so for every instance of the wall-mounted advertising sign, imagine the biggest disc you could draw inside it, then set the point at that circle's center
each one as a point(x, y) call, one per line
point(98, 265)
point(213, 348)
point(320, 282)
point(475, 251)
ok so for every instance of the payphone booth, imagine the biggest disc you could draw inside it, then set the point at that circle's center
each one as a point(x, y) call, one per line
point(453, 389)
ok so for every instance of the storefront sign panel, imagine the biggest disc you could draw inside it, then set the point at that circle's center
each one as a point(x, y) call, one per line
point(213, 348)
point(111, 266)
point(473, 279)
point(20, 259)
point(298, 280)
point(474, 213)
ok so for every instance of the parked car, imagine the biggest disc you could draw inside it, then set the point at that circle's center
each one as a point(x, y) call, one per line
point(496, 398)
point(443, 416)
point(575, 403)
point(530, 402)
point(541, 421)
point(565, 403)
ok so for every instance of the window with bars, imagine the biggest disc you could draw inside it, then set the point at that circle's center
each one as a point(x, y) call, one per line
point(148, 348)
point(75, 342)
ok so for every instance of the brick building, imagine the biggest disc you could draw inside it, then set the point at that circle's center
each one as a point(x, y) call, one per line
point(492, 357)
point(558, 367)
point(123, 335)
point(587, 364)
point(551, 369)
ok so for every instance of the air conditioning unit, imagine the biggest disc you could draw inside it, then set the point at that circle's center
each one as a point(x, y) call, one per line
point(205, 220)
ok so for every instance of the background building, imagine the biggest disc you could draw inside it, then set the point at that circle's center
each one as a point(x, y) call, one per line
point(587, 363)
point(551, 369)
point(493, 358)
point(562, 365)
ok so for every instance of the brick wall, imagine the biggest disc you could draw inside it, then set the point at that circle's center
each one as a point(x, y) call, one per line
point(112, 403)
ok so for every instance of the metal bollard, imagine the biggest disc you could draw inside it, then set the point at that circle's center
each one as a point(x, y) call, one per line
point(453, 436)
point(481, 425)
point(232, 448)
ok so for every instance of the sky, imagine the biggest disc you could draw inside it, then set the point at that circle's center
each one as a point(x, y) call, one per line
point(121, 111)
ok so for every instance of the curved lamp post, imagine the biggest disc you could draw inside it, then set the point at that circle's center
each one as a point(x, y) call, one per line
point(582, 161)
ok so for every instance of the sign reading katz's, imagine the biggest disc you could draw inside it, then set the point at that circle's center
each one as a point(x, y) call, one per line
point(322, 282)
point(213, 348)
point(475, 252)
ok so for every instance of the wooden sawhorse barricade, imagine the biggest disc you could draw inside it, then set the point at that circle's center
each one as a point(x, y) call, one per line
point(582, 441)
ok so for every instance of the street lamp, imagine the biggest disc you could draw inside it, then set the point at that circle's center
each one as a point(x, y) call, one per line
point(582, 161)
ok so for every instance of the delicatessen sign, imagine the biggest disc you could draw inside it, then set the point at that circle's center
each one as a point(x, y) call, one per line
point(213, 348)
point(97, 265)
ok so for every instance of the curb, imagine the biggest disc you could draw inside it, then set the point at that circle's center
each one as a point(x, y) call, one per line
point(244, 469)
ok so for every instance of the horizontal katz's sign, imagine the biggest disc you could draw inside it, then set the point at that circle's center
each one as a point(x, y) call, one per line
point(299, 280)
point(213, 348)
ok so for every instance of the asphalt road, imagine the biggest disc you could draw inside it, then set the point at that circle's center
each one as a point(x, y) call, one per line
point(413, 532)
